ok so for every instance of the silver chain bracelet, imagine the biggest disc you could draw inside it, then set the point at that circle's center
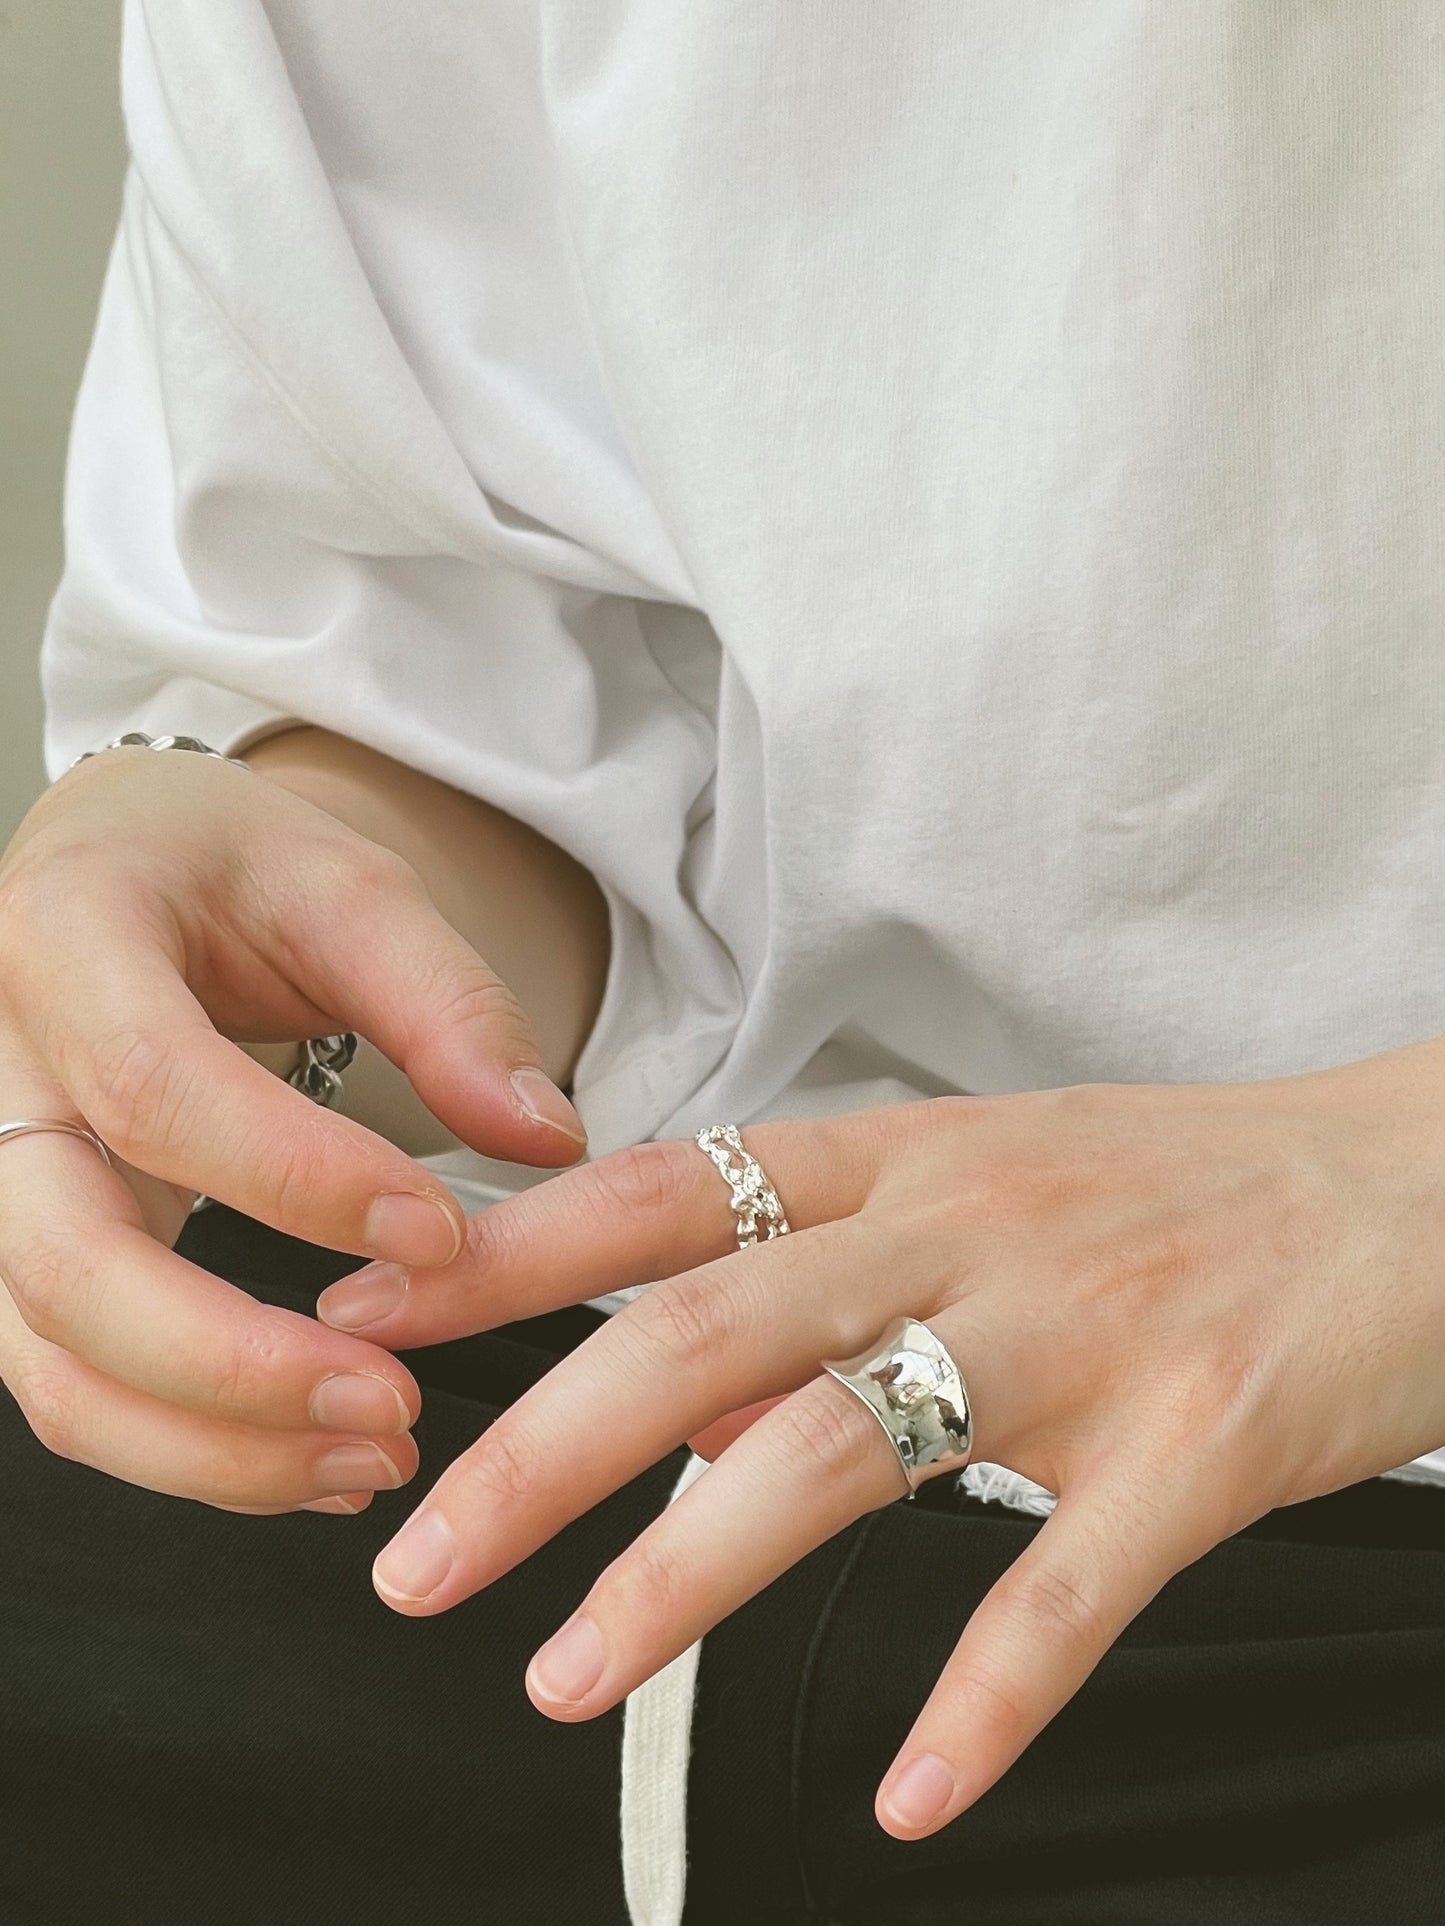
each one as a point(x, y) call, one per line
point(318, 1068)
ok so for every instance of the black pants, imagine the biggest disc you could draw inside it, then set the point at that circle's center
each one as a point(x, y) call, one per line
point(210, 1718)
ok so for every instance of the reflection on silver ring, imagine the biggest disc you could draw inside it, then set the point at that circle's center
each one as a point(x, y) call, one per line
point(915, 1390)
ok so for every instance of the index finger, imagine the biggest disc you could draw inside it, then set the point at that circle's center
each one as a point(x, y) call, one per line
point(172, 1096)
point(644, 1212)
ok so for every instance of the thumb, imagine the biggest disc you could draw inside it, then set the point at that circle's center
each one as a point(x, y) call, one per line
point(393, 968)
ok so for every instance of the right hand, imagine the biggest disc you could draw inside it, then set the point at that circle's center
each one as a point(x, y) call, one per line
point(155, 911)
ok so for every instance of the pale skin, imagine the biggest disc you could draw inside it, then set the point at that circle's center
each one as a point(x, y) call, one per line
point(165, 921)
point(1176, 1306)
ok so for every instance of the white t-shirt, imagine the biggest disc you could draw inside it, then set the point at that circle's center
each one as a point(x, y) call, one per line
point(943, 522)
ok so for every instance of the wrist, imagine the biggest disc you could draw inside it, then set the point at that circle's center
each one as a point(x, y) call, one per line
point(1399, 1095)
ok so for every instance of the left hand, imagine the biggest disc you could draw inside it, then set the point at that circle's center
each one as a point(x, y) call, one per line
point(1175, 1306)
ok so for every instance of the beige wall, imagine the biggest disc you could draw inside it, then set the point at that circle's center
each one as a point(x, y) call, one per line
point(61, 157)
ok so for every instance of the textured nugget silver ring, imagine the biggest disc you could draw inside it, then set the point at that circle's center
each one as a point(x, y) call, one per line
point(912, 1386)
point(753, 1200)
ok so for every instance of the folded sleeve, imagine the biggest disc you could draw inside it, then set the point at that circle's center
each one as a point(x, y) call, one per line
point(265, 524)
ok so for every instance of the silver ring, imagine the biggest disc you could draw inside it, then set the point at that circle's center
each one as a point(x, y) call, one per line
point(915, 1390)
point(138, 739)
point(22, 1127)
point(753, 1199)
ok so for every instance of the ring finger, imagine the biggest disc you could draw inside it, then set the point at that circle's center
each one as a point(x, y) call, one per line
point(816, 1462)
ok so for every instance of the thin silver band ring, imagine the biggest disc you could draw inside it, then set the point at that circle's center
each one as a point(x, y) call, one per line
point(23, 1126)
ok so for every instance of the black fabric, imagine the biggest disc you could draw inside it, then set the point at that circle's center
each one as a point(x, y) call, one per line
point(212, 1718)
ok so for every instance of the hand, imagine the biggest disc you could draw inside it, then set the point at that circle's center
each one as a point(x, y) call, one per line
point(153, 908)
point(1176, 1307)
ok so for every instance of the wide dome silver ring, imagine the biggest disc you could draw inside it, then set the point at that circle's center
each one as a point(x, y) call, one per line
point(911, 1384)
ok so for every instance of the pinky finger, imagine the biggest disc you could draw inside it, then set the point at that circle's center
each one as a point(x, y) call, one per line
point(79, 1413)
point(346, 1502)
point(1033, 1641)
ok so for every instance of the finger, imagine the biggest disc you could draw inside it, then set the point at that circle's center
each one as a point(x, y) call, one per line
point(803, 1470)
point(1092, 1567)
point(80, 1414)
point(345, 1503)
point(689, 1351)
point(84, 1273)
point(143, 1064)
point(638, 1214)
point(713, 1440)
point(418, 991)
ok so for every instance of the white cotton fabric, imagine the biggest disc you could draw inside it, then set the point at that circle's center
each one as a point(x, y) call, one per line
point(945, 524)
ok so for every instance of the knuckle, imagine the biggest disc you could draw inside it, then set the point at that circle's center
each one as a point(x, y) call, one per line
point(140, 1087)
point(684, 1321)
point(476, 998)
point(1221, 1388)
point(20, 906)
point(365, 881)
point(503, 1469)
point(296, 1169)
point(50, 877)
point(649, 1584)
point(1059, 1605)
point(1089, 1099)
point(827, 1430)
point(648, 1179)
point(1303, 1212)
point(960, 1110)
point(501, 1239)
point(1095, 1100)
point(229, 1472)
point(53, 1406)
point(248, 1377)
point(47, 1272)
point(996, 1706)
point(374, 873)
point(1047, 1177)
point(1148, 1264)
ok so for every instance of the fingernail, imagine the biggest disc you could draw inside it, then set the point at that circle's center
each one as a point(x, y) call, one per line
point(411, 1228)
point(544, 1103)
point(418, 1558)
point(920, 1792)
point(346, 1502)
point(570, 1663)
point(363, 1297)
point(350, 1466)
point(359, 1401)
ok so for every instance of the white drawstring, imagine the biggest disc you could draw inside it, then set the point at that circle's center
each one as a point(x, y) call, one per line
point(656, 1744)
point(1005, 1487)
